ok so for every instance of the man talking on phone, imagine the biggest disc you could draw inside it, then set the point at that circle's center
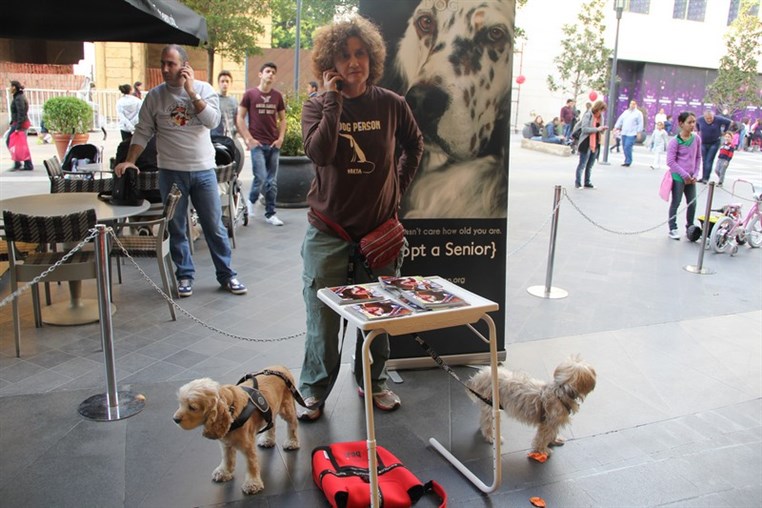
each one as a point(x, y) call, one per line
point(180, 113)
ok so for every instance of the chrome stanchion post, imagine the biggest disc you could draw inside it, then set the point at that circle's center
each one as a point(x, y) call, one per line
point(699, 267)
point(112, 405)
point(548, 291)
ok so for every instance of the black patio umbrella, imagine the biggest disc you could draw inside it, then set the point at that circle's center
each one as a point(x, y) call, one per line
point(159, 21)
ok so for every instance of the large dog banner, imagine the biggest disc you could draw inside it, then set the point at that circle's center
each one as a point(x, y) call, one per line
point(452, 60)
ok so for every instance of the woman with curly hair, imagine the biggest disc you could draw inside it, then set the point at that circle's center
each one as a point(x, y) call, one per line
point(351, 131)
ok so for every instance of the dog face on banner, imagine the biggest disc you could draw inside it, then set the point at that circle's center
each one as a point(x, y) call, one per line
point(454, 60)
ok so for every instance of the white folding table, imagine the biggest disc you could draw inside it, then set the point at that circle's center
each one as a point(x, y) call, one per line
point(420, 322)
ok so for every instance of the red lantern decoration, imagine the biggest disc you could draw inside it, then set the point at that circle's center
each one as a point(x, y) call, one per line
point(520, 79)
point(593, 95)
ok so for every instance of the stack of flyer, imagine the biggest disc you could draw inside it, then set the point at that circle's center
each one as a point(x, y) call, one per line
point(394, 297)
point(367, 301)
point(422, 292)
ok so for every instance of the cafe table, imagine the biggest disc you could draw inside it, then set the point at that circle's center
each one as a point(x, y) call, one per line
point(78, 310)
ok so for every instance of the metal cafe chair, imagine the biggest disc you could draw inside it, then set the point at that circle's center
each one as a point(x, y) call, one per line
point(45, 230)
point(153, 245)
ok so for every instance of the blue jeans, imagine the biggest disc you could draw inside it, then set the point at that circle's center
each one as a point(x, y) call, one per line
point(678, 189)
point(708, 153)
point(567, 130)
point(586, 161)
point(627, 143)
point(264, 165)
point(325, 260)
point(201, 188)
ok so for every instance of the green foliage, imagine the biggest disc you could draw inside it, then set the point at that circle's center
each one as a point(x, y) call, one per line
point(67, 115)
point(315, 13)
point(233, 27)
point(293, 144)
point(737, 83)
point(584, 59)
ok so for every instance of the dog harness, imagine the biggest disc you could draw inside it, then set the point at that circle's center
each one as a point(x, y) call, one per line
point(257, 402)
point(543, 413)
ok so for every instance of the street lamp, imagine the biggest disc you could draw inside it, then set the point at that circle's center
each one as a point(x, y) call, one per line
point(618, 7)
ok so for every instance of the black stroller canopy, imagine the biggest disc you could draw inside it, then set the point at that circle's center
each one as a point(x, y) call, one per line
point(158, 21)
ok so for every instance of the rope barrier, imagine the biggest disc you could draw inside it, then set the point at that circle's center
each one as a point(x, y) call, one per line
point(171, 301)
point(630, 233)
point(91, 235)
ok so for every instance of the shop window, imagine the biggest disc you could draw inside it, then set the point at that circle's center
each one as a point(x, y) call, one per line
point(692, 10)
point(638, 6)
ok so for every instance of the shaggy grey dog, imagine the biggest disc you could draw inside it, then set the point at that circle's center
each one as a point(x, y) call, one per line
point(547, 406)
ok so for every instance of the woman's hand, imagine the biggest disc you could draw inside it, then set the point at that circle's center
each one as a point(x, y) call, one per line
point(330, 80)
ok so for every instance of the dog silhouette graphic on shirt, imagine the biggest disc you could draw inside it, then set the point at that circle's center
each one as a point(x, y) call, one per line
point(360, 163)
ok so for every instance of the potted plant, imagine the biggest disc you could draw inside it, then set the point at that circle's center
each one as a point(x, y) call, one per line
point(66, 117)
point(295, 170)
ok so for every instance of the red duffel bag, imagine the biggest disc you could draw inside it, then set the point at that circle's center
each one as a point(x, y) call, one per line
point(340, 470)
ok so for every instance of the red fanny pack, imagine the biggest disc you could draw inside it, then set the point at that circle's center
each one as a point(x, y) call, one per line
point(340, 470)
point(379, 247)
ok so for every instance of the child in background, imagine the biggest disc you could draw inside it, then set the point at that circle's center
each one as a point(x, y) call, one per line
point(618, 138)
point(658, 146)
point(724, 157)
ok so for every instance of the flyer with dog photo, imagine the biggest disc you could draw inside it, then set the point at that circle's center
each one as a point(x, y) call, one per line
point(384, 309)
point(356, 293)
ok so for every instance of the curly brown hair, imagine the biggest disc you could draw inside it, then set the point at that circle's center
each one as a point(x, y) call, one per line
point(329, 40)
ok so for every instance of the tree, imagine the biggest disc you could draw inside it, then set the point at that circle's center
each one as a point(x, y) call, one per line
point(315, 13)
point(736, 84)
point(584, 59)
point(233, 27)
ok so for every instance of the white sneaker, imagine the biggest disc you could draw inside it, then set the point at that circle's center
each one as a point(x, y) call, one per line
point(273, 220)
point(250, 208)
point(674, 234)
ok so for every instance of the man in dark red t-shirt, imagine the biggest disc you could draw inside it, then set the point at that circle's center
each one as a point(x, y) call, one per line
point(261, 121)
point(567, 115)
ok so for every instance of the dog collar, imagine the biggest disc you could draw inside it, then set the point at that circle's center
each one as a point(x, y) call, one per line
point(257, 402)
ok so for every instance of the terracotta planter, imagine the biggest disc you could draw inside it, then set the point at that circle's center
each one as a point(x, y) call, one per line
point(294, 178)
point(62, 142)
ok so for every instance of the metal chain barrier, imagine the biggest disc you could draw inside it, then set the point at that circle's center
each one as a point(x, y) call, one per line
point(188, 314)
point(736, 196)
point(92, 234)
point(627, 233)
point(536, 233)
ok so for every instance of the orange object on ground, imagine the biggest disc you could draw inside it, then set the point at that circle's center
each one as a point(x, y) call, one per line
point(537, 501)
point(539, 457)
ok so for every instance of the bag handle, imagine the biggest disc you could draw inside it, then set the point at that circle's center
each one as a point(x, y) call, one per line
point(437, 489)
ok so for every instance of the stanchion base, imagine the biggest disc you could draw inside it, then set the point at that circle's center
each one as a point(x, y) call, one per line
point(701, 271)
point(554, 294)
point(97, 407)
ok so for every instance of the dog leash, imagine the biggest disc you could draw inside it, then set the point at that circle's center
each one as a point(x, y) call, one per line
point(297, 396)
point(439, 361)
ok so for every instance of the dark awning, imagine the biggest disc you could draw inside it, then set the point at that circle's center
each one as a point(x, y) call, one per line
point(159, 21)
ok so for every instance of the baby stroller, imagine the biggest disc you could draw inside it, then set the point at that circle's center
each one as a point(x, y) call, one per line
point(78, 155)
point(229, 157)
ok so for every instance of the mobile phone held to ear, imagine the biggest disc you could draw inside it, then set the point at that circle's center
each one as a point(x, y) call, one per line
point(339, 85)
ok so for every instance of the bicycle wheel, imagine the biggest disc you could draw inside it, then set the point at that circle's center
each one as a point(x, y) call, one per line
point(755, 232)
point(720, 238)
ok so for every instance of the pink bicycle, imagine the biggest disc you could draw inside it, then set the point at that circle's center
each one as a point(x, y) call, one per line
point(731, 230)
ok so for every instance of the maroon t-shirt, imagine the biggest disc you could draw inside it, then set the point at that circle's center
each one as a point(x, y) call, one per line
point(263, 113)
point(358, 179)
